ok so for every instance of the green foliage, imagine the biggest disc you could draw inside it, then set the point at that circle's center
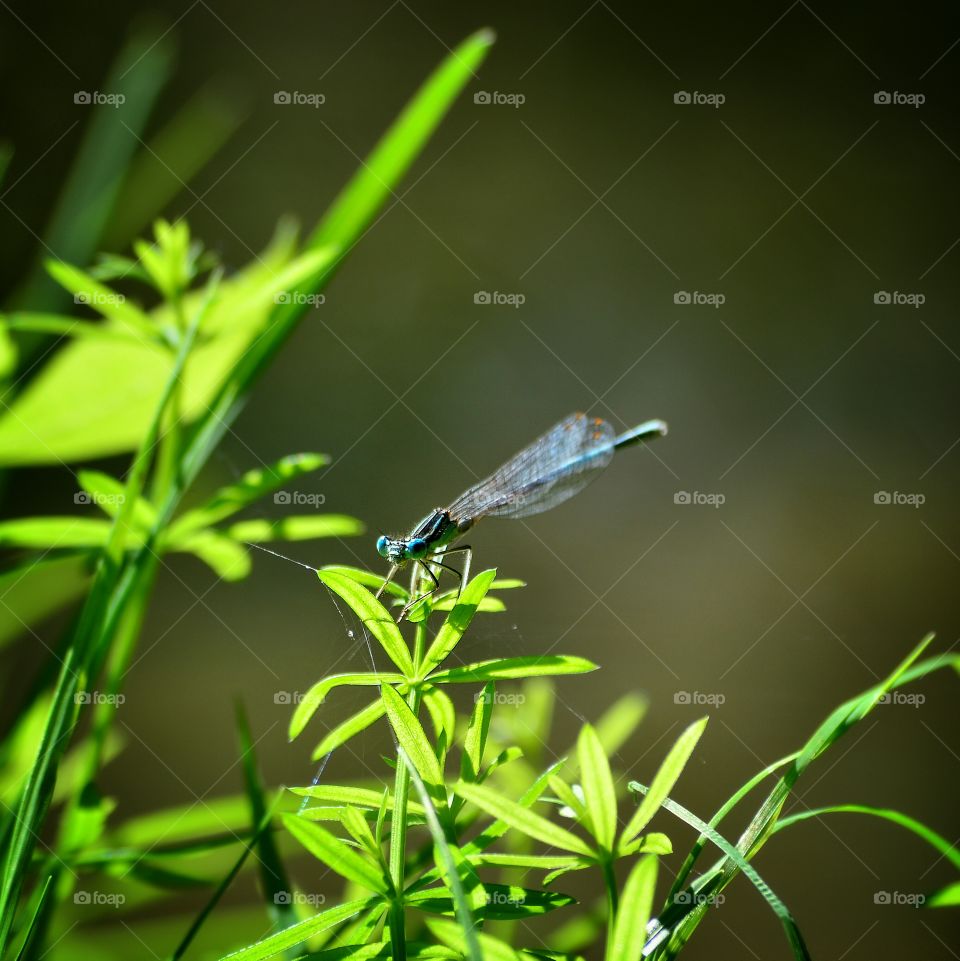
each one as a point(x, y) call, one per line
point(166, 356)
point(437, 855)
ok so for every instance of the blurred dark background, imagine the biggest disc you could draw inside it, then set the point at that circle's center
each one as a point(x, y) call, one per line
point(783, 587)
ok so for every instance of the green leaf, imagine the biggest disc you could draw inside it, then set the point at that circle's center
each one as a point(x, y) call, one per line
point(520, 818)
point(108, 494)
point(652, 843)
point(633, 912)
point(273, 876)
point(374, 616)
point(355, 796)
point(60, 325)
point(369, 580)
point(226, 557)
point(507, 668)
point(566, 795)
point(373, 183)
point(40, 428)
point(664, 780)
point(317, 695)
point(54, 532)
point(337, 855)
point(476, 738)
point(112, 306)
point(544, 862)
point(360, 831)
point(598, 790)
point(458, 620)
point(448, 601)
point(414, 742)
point(504, 902)
point(38, 589)
point(250, 488)
point(937, 841)
point(349, 728)
point(487, 949)
point(948, 897)
point(296, 528)
point(298, 933)
point(443, 716)
point(33, 925)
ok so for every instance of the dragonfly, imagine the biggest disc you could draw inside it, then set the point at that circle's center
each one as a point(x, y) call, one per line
point(550, 470)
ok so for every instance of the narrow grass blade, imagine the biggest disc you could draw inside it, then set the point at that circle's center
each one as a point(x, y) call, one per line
point(487, 948)
point(794, 937)
point(372, 184)
point(937, 841)
point(664, 780)
point(273, 875)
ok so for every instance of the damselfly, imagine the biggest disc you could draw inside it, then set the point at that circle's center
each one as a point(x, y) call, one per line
point(547, 472)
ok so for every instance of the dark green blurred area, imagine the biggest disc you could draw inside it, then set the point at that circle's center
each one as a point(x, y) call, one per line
point(598, 199)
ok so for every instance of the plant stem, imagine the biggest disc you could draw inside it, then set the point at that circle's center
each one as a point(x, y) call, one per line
point(610, 882)
point(398, 823)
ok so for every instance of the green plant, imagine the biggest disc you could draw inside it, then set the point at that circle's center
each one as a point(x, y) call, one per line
point(370, 846)
point(165, 380)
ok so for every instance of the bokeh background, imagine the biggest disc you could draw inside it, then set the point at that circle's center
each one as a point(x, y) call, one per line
point(781, 586)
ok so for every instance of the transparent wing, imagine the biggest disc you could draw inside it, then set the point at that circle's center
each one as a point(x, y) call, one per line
point(547, 472)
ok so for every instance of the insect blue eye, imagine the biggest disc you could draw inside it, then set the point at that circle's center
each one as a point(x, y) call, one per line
point(383, 545)
point(416, 548)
